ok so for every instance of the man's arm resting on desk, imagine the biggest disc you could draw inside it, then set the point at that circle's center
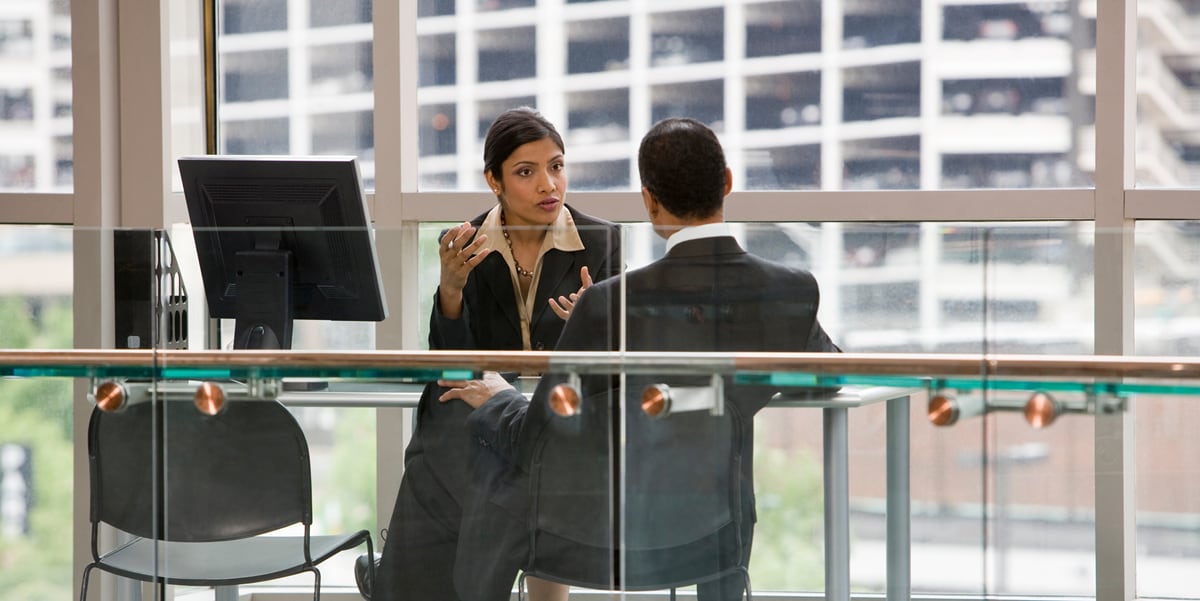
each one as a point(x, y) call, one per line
point(499, 414)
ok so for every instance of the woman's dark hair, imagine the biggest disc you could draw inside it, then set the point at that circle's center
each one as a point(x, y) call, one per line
point(512, 129)
point(682, 164)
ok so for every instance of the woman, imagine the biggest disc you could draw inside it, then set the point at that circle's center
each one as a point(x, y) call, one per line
point(509, 279)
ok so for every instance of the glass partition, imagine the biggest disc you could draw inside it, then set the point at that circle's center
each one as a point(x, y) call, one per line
point(35, 415)
point(1165, 313)
point(997, 442)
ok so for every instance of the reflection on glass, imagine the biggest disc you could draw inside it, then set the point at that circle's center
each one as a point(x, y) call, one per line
point(1010, 102)
point(35, 97)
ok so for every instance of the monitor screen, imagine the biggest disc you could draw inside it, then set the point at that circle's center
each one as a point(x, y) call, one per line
point(282, 238)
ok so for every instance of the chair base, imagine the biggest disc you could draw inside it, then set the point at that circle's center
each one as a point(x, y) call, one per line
point(749, 593)
point(227, 563)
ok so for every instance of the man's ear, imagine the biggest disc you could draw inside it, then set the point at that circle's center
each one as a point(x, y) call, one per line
point(652, 206)
point(728, 181)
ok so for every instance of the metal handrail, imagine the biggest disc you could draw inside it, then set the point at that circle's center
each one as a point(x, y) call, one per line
point(175, 363)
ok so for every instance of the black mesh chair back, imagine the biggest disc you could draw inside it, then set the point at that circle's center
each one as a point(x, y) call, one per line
point(195, 492)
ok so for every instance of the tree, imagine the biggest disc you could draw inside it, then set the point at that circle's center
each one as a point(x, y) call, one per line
point(36, 413)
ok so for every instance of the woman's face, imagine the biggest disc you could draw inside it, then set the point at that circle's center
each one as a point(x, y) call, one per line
point(532, 184)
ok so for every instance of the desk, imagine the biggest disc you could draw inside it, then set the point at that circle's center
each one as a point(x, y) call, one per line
point(836, 468)
point(835, 429)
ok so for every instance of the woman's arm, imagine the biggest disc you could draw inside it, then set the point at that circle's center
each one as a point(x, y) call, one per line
point(449, 320)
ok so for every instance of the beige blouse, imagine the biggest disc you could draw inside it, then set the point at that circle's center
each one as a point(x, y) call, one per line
point(562, 235)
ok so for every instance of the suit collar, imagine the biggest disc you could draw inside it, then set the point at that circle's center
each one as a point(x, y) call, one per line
point(719, 245)
point(695, 232)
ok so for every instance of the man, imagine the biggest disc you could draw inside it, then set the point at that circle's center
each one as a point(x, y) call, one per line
point(706, 294)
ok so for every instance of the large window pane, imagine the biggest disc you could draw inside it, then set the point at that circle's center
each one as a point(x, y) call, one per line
point(1168, 94)
point(1166, 322)
point(995, 98)
point(35, 96)
point(297, 81)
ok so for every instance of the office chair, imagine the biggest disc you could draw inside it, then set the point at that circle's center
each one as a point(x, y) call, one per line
point(197, 495)
point(674, 518)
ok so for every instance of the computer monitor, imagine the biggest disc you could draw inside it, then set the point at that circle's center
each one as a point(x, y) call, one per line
point(282, 238)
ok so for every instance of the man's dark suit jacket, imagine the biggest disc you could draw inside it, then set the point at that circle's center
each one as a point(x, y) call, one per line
point(490, 321)
point(706, 295)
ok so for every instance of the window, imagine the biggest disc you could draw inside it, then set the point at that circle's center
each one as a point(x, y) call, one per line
point(298, 88)
point(35, 97)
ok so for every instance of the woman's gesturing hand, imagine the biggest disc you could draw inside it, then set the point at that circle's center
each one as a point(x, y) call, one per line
point(563, 305)
point(459, 254)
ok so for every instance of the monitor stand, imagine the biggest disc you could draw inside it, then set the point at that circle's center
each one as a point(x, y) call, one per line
point(264, 300)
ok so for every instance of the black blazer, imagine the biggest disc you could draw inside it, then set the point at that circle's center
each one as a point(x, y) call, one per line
point(705, 295)
point(490, 322)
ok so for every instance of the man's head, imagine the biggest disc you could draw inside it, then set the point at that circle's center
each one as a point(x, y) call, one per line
point(683, 171)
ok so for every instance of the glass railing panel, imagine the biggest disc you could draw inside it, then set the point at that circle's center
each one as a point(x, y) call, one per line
point(1167, 501)
point(975, 287)
point(333, 294)
point(1165, 313)
point(1013, 494)
point(335, 401)
point(693, 482)
point(557, 470)
point(990, 490)
point(35, 415)
point(908, 287)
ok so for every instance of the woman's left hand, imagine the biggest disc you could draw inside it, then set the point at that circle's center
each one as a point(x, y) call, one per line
point(563, 305)
point(474, 392)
